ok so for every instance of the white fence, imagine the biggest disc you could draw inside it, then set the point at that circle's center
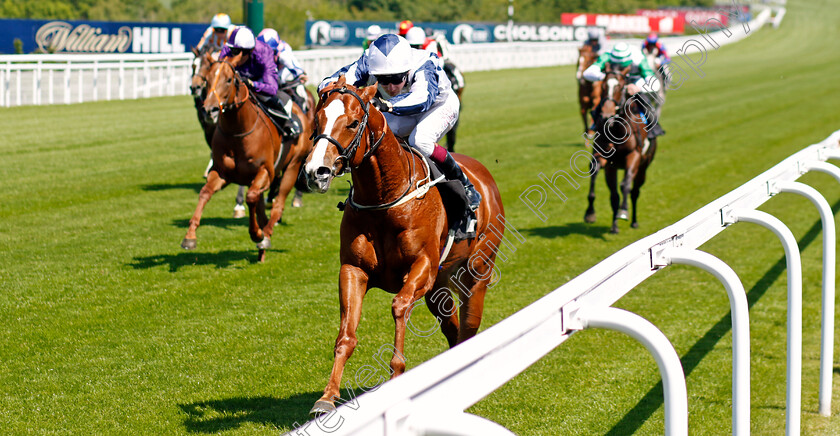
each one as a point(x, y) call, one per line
point(68, 78)
point(430, 399)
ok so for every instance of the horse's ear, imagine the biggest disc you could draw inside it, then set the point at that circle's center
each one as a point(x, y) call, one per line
point(626, 70)
point(195, 51)
point(368, 92)
point(341, 80)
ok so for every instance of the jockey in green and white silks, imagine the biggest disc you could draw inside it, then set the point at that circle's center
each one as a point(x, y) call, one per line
point(640, 79)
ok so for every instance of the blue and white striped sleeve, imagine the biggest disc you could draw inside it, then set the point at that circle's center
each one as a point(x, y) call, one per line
point(424, 90)
point(356, 74)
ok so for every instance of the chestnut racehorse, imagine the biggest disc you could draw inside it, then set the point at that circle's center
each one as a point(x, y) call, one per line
point(393, 233)
point(620, 143)
point(247, 150)
point(588, 92)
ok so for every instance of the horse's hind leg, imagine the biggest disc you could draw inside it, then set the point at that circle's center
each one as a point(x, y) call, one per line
point(634, 194)
point(278, 205)
point(589, 217)
point(213, 185)
point(611, 176)
point(443, 307)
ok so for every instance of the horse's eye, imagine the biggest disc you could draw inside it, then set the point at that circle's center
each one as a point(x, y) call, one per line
point(353, 125)
point(228, 80)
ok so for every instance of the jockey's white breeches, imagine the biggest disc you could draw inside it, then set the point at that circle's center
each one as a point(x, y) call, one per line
point(425, 129)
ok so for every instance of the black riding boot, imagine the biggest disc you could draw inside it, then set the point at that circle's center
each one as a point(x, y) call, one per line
point(452, 171)
point(276, 108)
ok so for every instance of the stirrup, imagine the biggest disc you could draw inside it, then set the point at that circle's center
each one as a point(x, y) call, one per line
point(473, 197)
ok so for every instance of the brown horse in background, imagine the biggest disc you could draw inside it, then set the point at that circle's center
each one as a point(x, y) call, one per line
point(390, 239)
point(588, 92)
point(247, 150)
point(620, 143)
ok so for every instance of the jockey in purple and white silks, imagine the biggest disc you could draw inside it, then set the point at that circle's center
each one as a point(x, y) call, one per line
point(415, 96)
point(260, 74)
point(289, 71)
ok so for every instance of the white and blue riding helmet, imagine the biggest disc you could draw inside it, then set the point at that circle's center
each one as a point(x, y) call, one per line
point(242, 38)
point(270, 37)
point(389, 54)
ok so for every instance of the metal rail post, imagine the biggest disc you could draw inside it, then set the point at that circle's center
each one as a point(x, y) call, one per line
point(673, 377)
point(794, 308)
point(828, 287)
point(740, 330)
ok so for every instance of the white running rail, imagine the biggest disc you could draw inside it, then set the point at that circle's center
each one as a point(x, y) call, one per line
point(431, 398)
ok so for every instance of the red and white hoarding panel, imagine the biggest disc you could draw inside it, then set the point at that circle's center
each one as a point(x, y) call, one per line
point(636, 24)
point(699, 16)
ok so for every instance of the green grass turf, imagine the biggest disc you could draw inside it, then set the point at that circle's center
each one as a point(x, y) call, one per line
point(107, 326)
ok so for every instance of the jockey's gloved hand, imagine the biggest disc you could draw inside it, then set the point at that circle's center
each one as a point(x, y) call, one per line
point(249, 82)
point(381, 104)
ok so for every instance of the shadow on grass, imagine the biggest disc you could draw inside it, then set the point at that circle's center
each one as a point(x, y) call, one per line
point(222, 259)
point(633, 420)
point(223, 223)
point(216, 416)
point(593, 231)
point(167, 186)
point(576, 144)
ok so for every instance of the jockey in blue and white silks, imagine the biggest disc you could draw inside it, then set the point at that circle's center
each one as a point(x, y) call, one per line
point(415, 96)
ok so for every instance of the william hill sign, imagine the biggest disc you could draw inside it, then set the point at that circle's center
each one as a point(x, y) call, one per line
point(98, 36)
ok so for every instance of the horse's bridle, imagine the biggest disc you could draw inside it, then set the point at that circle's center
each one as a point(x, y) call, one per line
point(346, 153)
point(223, 106)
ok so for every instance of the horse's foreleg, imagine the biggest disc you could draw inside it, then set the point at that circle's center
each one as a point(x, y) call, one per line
point(632, 167)
point(611, 176)
point(589, 217)
point(257, 211)
point(214, 184)
point(419, 280)
point(352, 282)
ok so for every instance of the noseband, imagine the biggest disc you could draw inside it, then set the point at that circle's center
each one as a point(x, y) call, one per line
point(345, 153)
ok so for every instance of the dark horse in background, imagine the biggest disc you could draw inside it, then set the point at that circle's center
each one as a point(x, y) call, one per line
point(391, 239)
point(452, 134)
point(588, 92)
point(620, 143)
point(248, 150)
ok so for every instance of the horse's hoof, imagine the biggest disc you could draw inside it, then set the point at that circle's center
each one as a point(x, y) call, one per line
point(321, 408)
point(188, 244)
point(265, 244)
point(614, 230)
point(261, 256)
point(589, 218)
point(623, 215)
point(634, 225)
point(298, 200)
point(239, 211)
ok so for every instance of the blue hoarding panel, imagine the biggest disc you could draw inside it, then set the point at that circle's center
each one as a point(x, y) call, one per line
point(98, 36)
point(352, 33)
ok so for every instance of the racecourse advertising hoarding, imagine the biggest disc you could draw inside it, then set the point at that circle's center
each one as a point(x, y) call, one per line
point(352, 33)
point(55, 36)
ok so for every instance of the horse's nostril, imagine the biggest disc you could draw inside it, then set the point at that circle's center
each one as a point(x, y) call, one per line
point(322, 172)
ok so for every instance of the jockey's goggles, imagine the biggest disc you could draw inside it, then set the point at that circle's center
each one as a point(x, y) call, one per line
point(392, 79)
point(219, 29)
point(236, 50)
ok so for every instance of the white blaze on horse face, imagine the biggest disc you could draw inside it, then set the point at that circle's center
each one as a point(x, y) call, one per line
point(333, 110)
point(611, 84)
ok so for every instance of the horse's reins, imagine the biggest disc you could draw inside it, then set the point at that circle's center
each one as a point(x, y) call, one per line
point(224, 106)
point(350, 150)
